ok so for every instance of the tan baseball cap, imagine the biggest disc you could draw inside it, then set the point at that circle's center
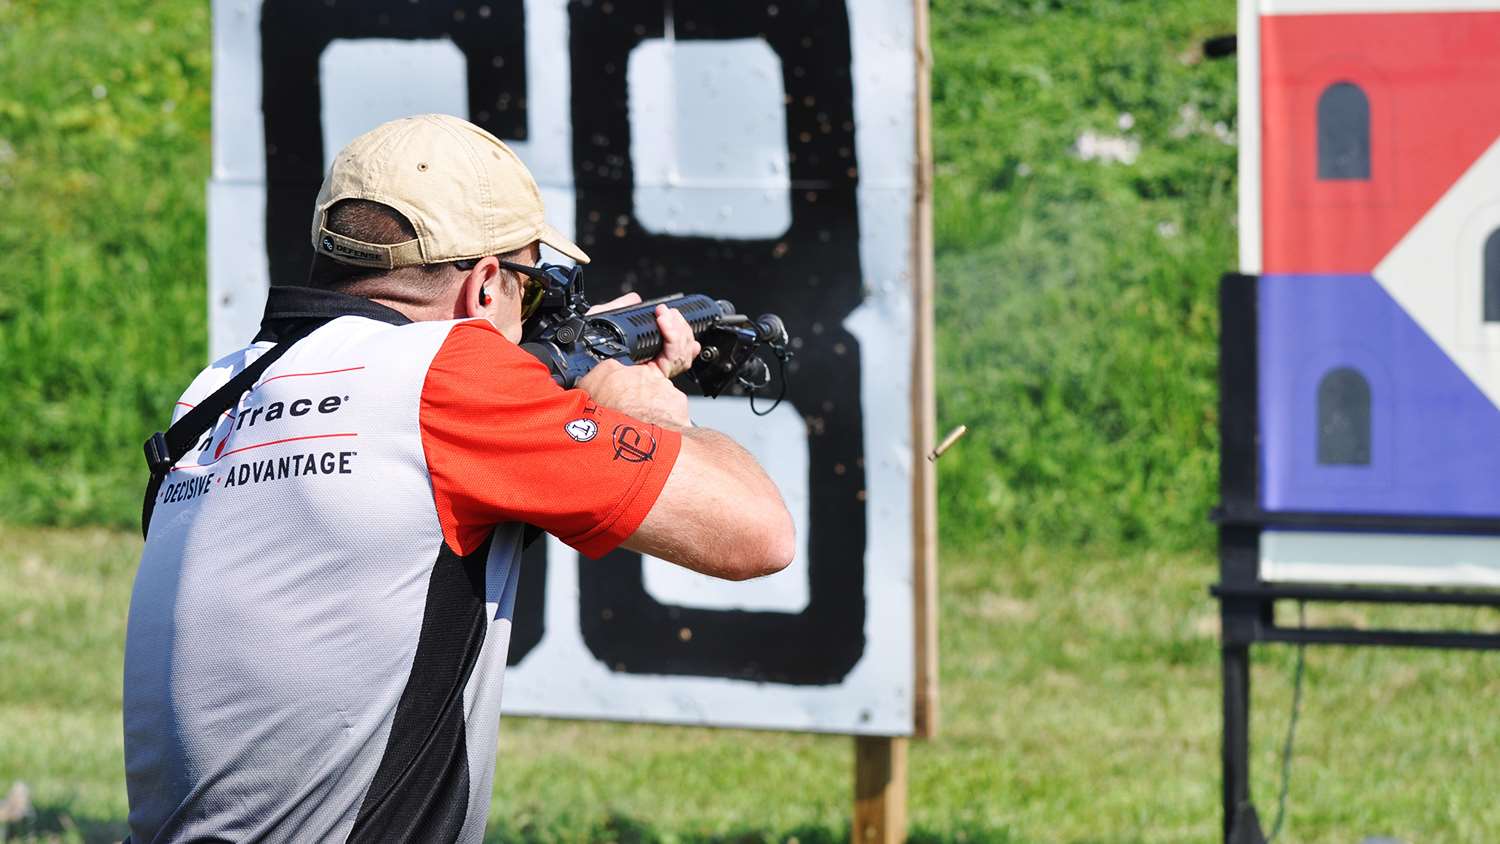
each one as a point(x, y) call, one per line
point(463, 190)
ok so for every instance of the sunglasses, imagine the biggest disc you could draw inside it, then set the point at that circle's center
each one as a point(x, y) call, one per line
point(534, 283)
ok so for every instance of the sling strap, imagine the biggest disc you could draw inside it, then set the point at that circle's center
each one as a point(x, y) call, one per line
point(163, 450)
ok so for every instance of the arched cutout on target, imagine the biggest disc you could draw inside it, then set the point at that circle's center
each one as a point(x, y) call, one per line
point(1344, 418)
point(810, 274)
point(1492, 277)
point(1343, 132)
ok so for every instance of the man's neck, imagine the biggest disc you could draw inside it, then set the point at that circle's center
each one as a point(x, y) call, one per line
point(420, 311)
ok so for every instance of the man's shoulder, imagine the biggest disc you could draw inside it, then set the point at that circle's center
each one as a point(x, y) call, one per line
point(473, 349)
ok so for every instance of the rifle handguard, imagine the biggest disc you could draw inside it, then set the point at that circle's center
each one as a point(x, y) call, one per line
point(570, 341)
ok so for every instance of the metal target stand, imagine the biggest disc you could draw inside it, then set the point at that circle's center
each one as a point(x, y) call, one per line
point(1246, 602)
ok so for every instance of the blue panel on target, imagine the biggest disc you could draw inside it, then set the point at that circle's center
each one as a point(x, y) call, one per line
point(1361, 412)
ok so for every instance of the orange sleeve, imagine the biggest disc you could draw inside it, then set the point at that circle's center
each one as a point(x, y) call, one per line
point(505, 444)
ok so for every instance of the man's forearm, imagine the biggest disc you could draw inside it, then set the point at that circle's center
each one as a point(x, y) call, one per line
point(719, 514)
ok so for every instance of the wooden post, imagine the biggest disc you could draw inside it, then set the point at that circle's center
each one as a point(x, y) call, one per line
point(924, 403)
point(879, 790)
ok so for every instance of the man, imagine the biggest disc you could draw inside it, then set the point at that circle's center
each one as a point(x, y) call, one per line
point(320, 620)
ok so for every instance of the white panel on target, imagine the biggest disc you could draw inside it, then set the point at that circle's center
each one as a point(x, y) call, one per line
point(708, 138)
point(367, 81)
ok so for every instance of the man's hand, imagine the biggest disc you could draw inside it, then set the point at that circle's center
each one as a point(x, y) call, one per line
point(641, 391)
point(678, 348)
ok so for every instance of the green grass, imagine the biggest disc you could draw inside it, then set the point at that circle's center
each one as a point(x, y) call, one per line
point(1080, 704)
point(103, 160)
point(1076, 299)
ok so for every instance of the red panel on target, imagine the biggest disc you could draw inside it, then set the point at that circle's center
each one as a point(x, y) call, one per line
point(1429, 111)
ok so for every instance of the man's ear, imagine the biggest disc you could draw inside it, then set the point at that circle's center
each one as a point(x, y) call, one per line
point(479, 290)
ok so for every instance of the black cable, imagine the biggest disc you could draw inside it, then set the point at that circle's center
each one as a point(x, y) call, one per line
point(780, 359)
point(1291, 727)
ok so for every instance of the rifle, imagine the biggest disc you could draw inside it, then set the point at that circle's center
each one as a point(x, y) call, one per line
point(563, 335)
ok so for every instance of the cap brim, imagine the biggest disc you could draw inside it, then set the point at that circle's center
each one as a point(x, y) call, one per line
point(553, 238)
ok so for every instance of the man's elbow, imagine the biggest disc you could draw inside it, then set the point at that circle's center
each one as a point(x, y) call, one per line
point(773, 551)
point(784, 544)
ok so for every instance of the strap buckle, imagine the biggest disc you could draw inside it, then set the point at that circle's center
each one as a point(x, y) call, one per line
point(159, 454)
